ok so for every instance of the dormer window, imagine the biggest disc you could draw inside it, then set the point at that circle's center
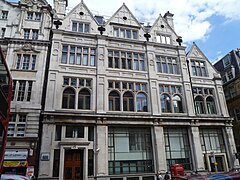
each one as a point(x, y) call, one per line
point(29, 15)
point(80, 27)
point(31, 33)
point(3, 32)
point(198, 68)
point(4, 15)
point(38, 16)
point(226, 61)
point(33, 16)
point(125, 33)
point(164, 39)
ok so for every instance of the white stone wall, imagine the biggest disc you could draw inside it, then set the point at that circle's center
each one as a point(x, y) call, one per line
point(99, 116)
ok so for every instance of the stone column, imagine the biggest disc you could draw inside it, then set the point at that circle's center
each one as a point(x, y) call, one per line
point(101, 149)
point(23, 12)
point(101, 80)
point(44, 165)
point(160, 155)
point(197, 149)
point(231, 148)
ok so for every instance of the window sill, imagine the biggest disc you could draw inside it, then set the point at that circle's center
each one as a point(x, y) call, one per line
point(33, 20)
point(23, 70)
point(125, 70)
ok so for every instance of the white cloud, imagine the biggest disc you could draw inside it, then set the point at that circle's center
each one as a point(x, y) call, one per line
point(191, 17)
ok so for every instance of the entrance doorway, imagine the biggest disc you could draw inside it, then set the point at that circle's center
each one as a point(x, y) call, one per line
point(219, 160)
point(73, 164)
point(220, 163)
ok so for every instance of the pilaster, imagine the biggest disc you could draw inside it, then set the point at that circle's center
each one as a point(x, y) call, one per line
point(101, 149)
point(197, 149)
point(231, 148)
point(160, 155)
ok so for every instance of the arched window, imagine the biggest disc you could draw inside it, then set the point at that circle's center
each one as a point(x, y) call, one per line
point(68, 99)
point(166, 103)
point(114, 101)
point(199, 105)
point(84, 99)
point(141, 102)
point(177, 104)
point(210, 105)
point(128, 104)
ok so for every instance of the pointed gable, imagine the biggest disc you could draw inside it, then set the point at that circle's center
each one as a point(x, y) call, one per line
point(200, 65)
point(124, 16)
point(123, 24)
point(162, 32)
point(80, 14)
point(196, 53)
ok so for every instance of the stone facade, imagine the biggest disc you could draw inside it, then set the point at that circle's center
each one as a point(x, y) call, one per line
point(25, 29)
point(229, 68)
point(128, 102)
point(122, 101)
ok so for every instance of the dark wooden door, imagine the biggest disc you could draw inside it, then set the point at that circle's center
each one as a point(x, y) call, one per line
point(73, 165)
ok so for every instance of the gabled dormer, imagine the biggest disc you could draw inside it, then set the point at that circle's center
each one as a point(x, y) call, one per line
point(80, 20)
point(123, 24)
point(162, 30)
point(199, 64)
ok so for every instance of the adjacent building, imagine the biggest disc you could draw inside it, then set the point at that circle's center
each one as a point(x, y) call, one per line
point(24, 37)
point(229, 68)
point(124, 101)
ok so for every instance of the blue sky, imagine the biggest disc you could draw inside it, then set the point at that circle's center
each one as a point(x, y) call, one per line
point(223, 38)
point(214, 25)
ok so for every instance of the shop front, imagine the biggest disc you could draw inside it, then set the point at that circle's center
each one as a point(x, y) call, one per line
point(15, 161)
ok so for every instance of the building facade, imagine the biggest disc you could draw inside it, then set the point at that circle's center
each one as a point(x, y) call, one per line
point(229, 68)
point(25, 29)
point(121, 100)
point(124, 101)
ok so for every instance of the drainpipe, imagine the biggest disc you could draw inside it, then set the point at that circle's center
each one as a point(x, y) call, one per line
point(43, 100)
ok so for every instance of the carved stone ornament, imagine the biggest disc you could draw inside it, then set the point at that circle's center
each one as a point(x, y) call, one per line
point(27, 47)
point(196, 53)
point(28, 2)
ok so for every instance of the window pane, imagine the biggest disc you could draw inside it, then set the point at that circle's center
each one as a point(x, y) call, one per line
point(74, 26)
point(164, 68)
point(168, 40)
point(122, 33)
point(128, 33)
point(80, 27)
point(86, 29)
point(134, 34)
point(85, 60)
point(115, 32)
point(92, 61)
point(18, 61)
point(33, 62)
point(136, 66)
point(29, 90)
point(142, 68)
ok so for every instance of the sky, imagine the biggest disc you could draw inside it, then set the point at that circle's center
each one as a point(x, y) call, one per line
point(214, 25)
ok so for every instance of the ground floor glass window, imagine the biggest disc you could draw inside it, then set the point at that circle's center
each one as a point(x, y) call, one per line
point(129, 151)
point(177, 147)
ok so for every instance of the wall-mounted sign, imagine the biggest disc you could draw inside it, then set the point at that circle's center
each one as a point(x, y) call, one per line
point(14, 163)
point(45, 156)
point(16, 154)
point(30, 171)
